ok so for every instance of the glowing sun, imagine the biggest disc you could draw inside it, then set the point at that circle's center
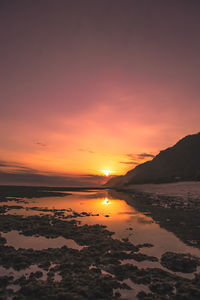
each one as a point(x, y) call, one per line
point(106, 172)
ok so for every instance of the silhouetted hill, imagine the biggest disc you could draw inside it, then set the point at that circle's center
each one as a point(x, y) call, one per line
point(178, 163)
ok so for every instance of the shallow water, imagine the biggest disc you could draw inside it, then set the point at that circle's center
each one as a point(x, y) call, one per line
point(119, 217)
point(113, 211)
point(17, 240)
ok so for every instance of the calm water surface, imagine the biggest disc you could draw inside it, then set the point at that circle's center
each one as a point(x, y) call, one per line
point(124, 220)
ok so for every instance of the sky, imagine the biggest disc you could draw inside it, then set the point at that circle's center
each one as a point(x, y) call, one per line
point(94, 85)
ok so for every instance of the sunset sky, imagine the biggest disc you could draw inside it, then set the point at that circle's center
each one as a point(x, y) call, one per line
point(87, 86)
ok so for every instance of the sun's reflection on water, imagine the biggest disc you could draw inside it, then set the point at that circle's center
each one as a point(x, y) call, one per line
point(106, 201)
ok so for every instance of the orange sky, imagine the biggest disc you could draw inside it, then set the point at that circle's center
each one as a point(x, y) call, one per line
point(86, 88)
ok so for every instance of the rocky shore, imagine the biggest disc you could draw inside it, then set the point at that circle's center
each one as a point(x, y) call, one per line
point(98, 270)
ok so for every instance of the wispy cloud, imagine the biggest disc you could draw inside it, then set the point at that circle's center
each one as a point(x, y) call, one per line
point(136, 159)
point(86, 150)
point(14, 173)
point(133, 156)
point(40, 144)
point(13, 166)
point(49, 180)
point(129, 162)
point(145, 155)
point(3, 164)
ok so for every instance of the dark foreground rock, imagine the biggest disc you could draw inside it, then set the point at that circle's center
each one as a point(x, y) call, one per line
point(94, 272)
point(180, 262)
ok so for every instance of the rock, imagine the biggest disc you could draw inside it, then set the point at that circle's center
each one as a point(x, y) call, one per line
point(180, 262)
